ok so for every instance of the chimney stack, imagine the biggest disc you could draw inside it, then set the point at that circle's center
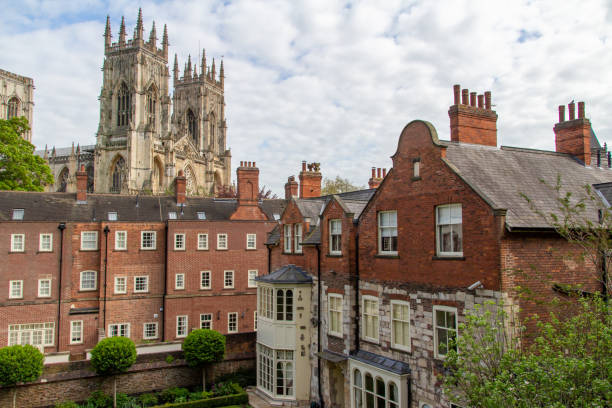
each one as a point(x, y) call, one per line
point(180, 188)
point(472, 120)
point(291, 188)
point(81, 177)
point(378, 175)
point(573, 136)
point(248, 192)
point(310, 180)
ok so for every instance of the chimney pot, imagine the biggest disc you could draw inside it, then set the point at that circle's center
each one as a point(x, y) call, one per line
point(580, 110)
point(561, 113)
point(384, 173)
point(373, 172)
point(574, 137)
point(473, 125)
point(487, 96)
point(254, 164)
point(464, 96)
point(481, 101)
point(456, 92)
point(378, 172)
point(303, 165)
point(473, 99)
point(572, 110)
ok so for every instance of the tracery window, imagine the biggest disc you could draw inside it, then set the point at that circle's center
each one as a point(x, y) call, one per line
point(118, 175)
point(151, 105)
point(124, 106)
point(192, 127)
point(13, 108)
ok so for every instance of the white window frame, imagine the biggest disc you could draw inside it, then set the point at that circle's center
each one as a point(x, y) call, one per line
point(119, 326)
point(331, 234)
point(225, 276)
point(179, 246)
point(84, 241)
point(219, 246)
point(364, 318)
point(144, 331)
point(251, 241)
point(16, 283)
point(202, 237)
point(118, 291)
point(146, 284)
point(179, 285)
point(359, 391)
point(14, 247)
point(44, 331)
point(18, 214)
point(380, 232)
point(41, 238)
point(153, 245)
point(330, 331)
point(435, 326)
point(210, 321)
point(439, 251)
point(40, 294)
point(186, 328)
point(287, 238)
point(297, 238)
point(118, 240)
point(112, 215)
point(251, 275)
point(209, 275)
point(395, 345)
point(81, 281)
point(229, 321)
point(73, 324)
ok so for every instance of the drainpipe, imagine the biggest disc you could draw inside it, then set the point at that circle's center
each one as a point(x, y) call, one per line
point(321, 403)
point(163, 311)
point(269, 259)
point(61, 227)
point(357, 327)
point(106, 231)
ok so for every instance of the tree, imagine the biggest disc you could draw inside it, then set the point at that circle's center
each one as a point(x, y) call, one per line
point(230, 192)
point(113, 356)
point(19, 364)
point(338, 185)
point(202, 347)
point(20, 168)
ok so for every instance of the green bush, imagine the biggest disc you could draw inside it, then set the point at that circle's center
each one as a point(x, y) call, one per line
point(169, 358)
point(98, 399)
point(66, 404)
point(113, 355)
point(239, 398)
point(174, 394)
point(148, 400)
point(221, 389)
point(244, 378)
point(20, 364)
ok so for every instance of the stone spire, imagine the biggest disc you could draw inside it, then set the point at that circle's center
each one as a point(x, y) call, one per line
point(78, 149)
point(176, 69)
point(165, 42)
point(188, 70)
point(53, 152)
point(122, 32)
point(72, 151)
point(213, 72)
point(138, 33)
point(107, 33)
point(195, 71)
point(221, 73)
point(203, 65)
point(153, 38)
point(46, 155)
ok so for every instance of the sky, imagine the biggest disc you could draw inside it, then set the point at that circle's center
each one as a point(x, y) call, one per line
point(329, 81)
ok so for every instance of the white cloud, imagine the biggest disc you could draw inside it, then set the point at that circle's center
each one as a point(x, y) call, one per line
point(327, 81)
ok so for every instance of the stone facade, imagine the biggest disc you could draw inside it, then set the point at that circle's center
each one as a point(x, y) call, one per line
point(17, 98)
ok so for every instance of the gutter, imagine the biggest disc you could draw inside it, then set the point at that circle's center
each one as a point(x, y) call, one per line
point(61, 227)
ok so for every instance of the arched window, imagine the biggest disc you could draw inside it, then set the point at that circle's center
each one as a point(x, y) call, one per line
point(158, 176)
point(369, 391)
point(380, 393)
point(192, 127)
point(118, 175)
point(211, 132)
point(358, 389)
point(13, 108)
point(284, 304)
point(124, 105)
point(151, 105)
point(62, 180)
point(393, 395)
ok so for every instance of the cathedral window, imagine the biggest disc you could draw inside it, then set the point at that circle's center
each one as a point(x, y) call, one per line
point(124, 106)
point(151, 105)
point(62, 180)
point(118, 175)
point(192, 127)
point(13, 108)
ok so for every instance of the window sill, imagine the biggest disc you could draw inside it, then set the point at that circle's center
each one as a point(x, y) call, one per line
point(144, 292)
point(417, 178)
point(44, 252)
point(148, 249)
point(334, 255)
point(43, 297)
point(388, 256)
point(16, 298)
point(76, 343)
point(205, 288)
point(202, 249)
point(120, 293)
point(17, 252)
point(228, 288)
point(448, 258)
point(88, 250)
point(372, 341)
point(400, 348)
point(221, 249)
point(337, 335)
point(251, 249)
point(88, 290)
point(120, 250)
point(294, 253)
point(179, 249)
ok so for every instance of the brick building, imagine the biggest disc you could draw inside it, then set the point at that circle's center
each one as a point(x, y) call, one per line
point(82, 266)
point(395, 268)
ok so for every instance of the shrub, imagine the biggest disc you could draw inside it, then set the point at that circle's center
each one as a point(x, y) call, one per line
point(244, 378)
point(66, 404)
point(113, 355)
point(19, 364)
point(148, 400)
point(227, 388)
point(202, 347)
point(239, 398)
point(98, 399)
point(169, 358)
point(174, 394)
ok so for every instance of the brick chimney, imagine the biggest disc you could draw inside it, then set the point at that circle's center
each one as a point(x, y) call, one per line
point(310, 180)
point(248, 192)
point(291, 188)
point(81, 184)
point(471, 118)
point(573, 136)
point(377, 177)
point(179, 187)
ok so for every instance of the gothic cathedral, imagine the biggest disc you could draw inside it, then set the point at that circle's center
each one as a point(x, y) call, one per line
point(144, 137)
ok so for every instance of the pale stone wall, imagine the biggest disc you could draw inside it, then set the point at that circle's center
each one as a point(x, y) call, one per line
point(22, 88)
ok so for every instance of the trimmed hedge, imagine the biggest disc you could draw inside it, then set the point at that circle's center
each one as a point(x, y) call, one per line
point(239, 398)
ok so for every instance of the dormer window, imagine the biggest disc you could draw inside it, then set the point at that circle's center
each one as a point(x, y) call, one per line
point(172, 215)
point(287, 229)
point(335, 237)
point(112, 216)
point(276, 216)
point(18, 214)
point(201, 215)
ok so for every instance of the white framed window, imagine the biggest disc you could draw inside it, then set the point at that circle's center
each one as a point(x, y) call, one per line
point(17, 242)
point(228, 279)
point(149, 331)
point(141, 284)
point(89, 240)
point(206, 321)
point(400, 325)
point(369, 388)
point(255, 320)
point(148, 240)
point(15, 289)
point(416, 168)
point(252, 275)
point(120, 284)
point(222, 241)
point(179, 281)
point(265, 297)
point(287, 231)
point(44, 288)
point(284, 304)
point(205, 280)
point(76, 332)
point(275, 371)
point(38, 335)
point(181, 326)
point(387, 232)
point(232, 322)
point(335, 314)
point(298, 238)
point(120, 240)
point(89, 280)
point(335, 237)
point(201, 215)
point(112, 216)
point(370, 316)
point(45, 243)
point(251, 241)
point(18, 214)
point(179, 242)
point(119, 330)
point(445, 329)
point(202, 242)
point(449, 235)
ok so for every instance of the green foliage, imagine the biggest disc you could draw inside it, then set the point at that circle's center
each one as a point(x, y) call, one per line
point(219, 389)
point(20, 168)
point(20, 364)
point(244, 378)
point(148, 400)
point(113, 355)
point(203, 346)
point(174, 394)
point(98, 399)
point(169, 359)
point(66, 404)
point(338, 185)
point(238, 398)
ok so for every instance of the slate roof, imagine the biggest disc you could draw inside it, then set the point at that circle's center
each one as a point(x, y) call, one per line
point(385, 363)
point(314, 237)
point(274, 236)
point(286, 274)
point(64, 207)
point(64, 151)
point(605, 190)
point(501, 175)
